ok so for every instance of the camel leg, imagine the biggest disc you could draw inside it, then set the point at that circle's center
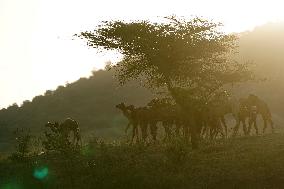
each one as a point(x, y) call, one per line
point(271, 125)
point(134, 133)
point(264, 125)
point(215, 131)
point(143, 131)
point(249, 126)
point(153, 130)
point(237, 125)
point(177, 130)
point(73, 138)
point(137, 133)
point(77, 137)
point(245, 129)
point(186, 132)
point(225, 126)
point(171, 127)
point(220, 130)
point(127, 127)
point(194, 137)
point(79, 140)
point(167, 130)
point(236, 129)
point(207, 132)
point(204, 131)
point(212, 133)
point(255, 127)
point(252, 122)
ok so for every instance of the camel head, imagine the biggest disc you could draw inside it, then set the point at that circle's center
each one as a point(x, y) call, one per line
point(120, 106)
point(56, 124)
point(52, 125)
point(130, 107)
point(49, 124)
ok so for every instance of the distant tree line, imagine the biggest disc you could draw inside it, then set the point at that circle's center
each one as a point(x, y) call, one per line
point(90, 101)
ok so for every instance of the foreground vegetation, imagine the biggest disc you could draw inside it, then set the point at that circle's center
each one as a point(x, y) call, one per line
point(246, 162)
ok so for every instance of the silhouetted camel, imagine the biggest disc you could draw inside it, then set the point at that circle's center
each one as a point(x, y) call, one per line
point(213, 116)
point(241, 115)
point(164, 111)
point(65, 128)
point(140, 117)
point(128, 112)
point(252, 119)
point(211, 123)
point(217, 118)
point(262, 109)
point(144, 118)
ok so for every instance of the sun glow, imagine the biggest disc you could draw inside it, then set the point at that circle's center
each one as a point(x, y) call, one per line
point(37, 53)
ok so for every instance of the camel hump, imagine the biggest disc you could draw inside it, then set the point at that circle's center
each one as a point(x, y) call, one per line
point(70, 121)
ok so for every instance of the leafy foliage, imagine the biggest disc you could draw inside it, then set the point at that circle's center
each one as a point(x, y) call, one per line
point(59, 143)
point(191, 56)
point(23, 144)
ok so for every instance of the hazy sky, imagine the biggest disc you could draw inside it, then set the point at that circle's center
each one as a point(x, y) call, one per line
point(37, 53)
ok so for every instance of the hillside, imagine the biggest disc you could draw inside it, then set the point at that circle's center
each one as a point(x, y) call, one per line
point(264, 46)
point(90, 101)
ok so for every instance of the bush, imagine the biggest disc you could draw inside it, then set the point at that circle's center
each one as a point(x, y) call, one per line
point(23, 144)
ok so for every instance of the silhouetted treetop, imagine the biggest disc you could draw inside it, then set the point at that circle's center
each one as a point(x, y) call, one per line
point(192, 54)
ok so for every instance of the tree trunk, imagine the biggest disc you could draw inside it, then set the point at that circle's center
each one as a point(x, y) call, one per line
point(190, 115)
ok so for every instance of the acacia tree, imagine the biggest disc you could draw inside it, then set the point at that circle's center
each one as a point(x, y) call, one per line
point(190, 58)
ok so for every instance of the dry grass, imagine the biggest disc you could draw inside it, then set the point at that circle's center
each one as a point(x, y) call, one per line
point(245, 162)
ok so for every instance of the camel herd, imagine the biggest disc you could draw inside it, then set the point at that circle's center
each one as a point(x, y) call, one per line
point(211, 118)
point(211, 122)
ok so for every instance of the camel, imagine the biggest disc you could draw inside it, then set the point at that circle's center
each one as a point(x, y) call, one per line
point(252, 119)
point(170, 115)
point(128, 112)
point(65, 128)
point(211, 120)
point(241, 116)
point(217, 118)
point(249, 108)
point(140, 117)
point(238, 108)
point(263, 110)
point(213, 116)
point(241, 111)
point(161, 111)
point(157, 110)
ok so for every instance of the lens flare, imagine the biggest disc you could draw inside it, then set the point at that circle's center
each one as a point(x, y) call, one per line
point(40, 173)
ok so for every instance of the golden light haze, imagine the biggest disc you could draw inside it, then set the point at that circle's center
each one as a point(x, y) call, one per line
point(37, 53)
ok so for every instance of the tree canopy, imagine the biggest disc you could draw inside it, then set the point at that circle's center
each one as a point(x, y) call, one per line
point(191, 57)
